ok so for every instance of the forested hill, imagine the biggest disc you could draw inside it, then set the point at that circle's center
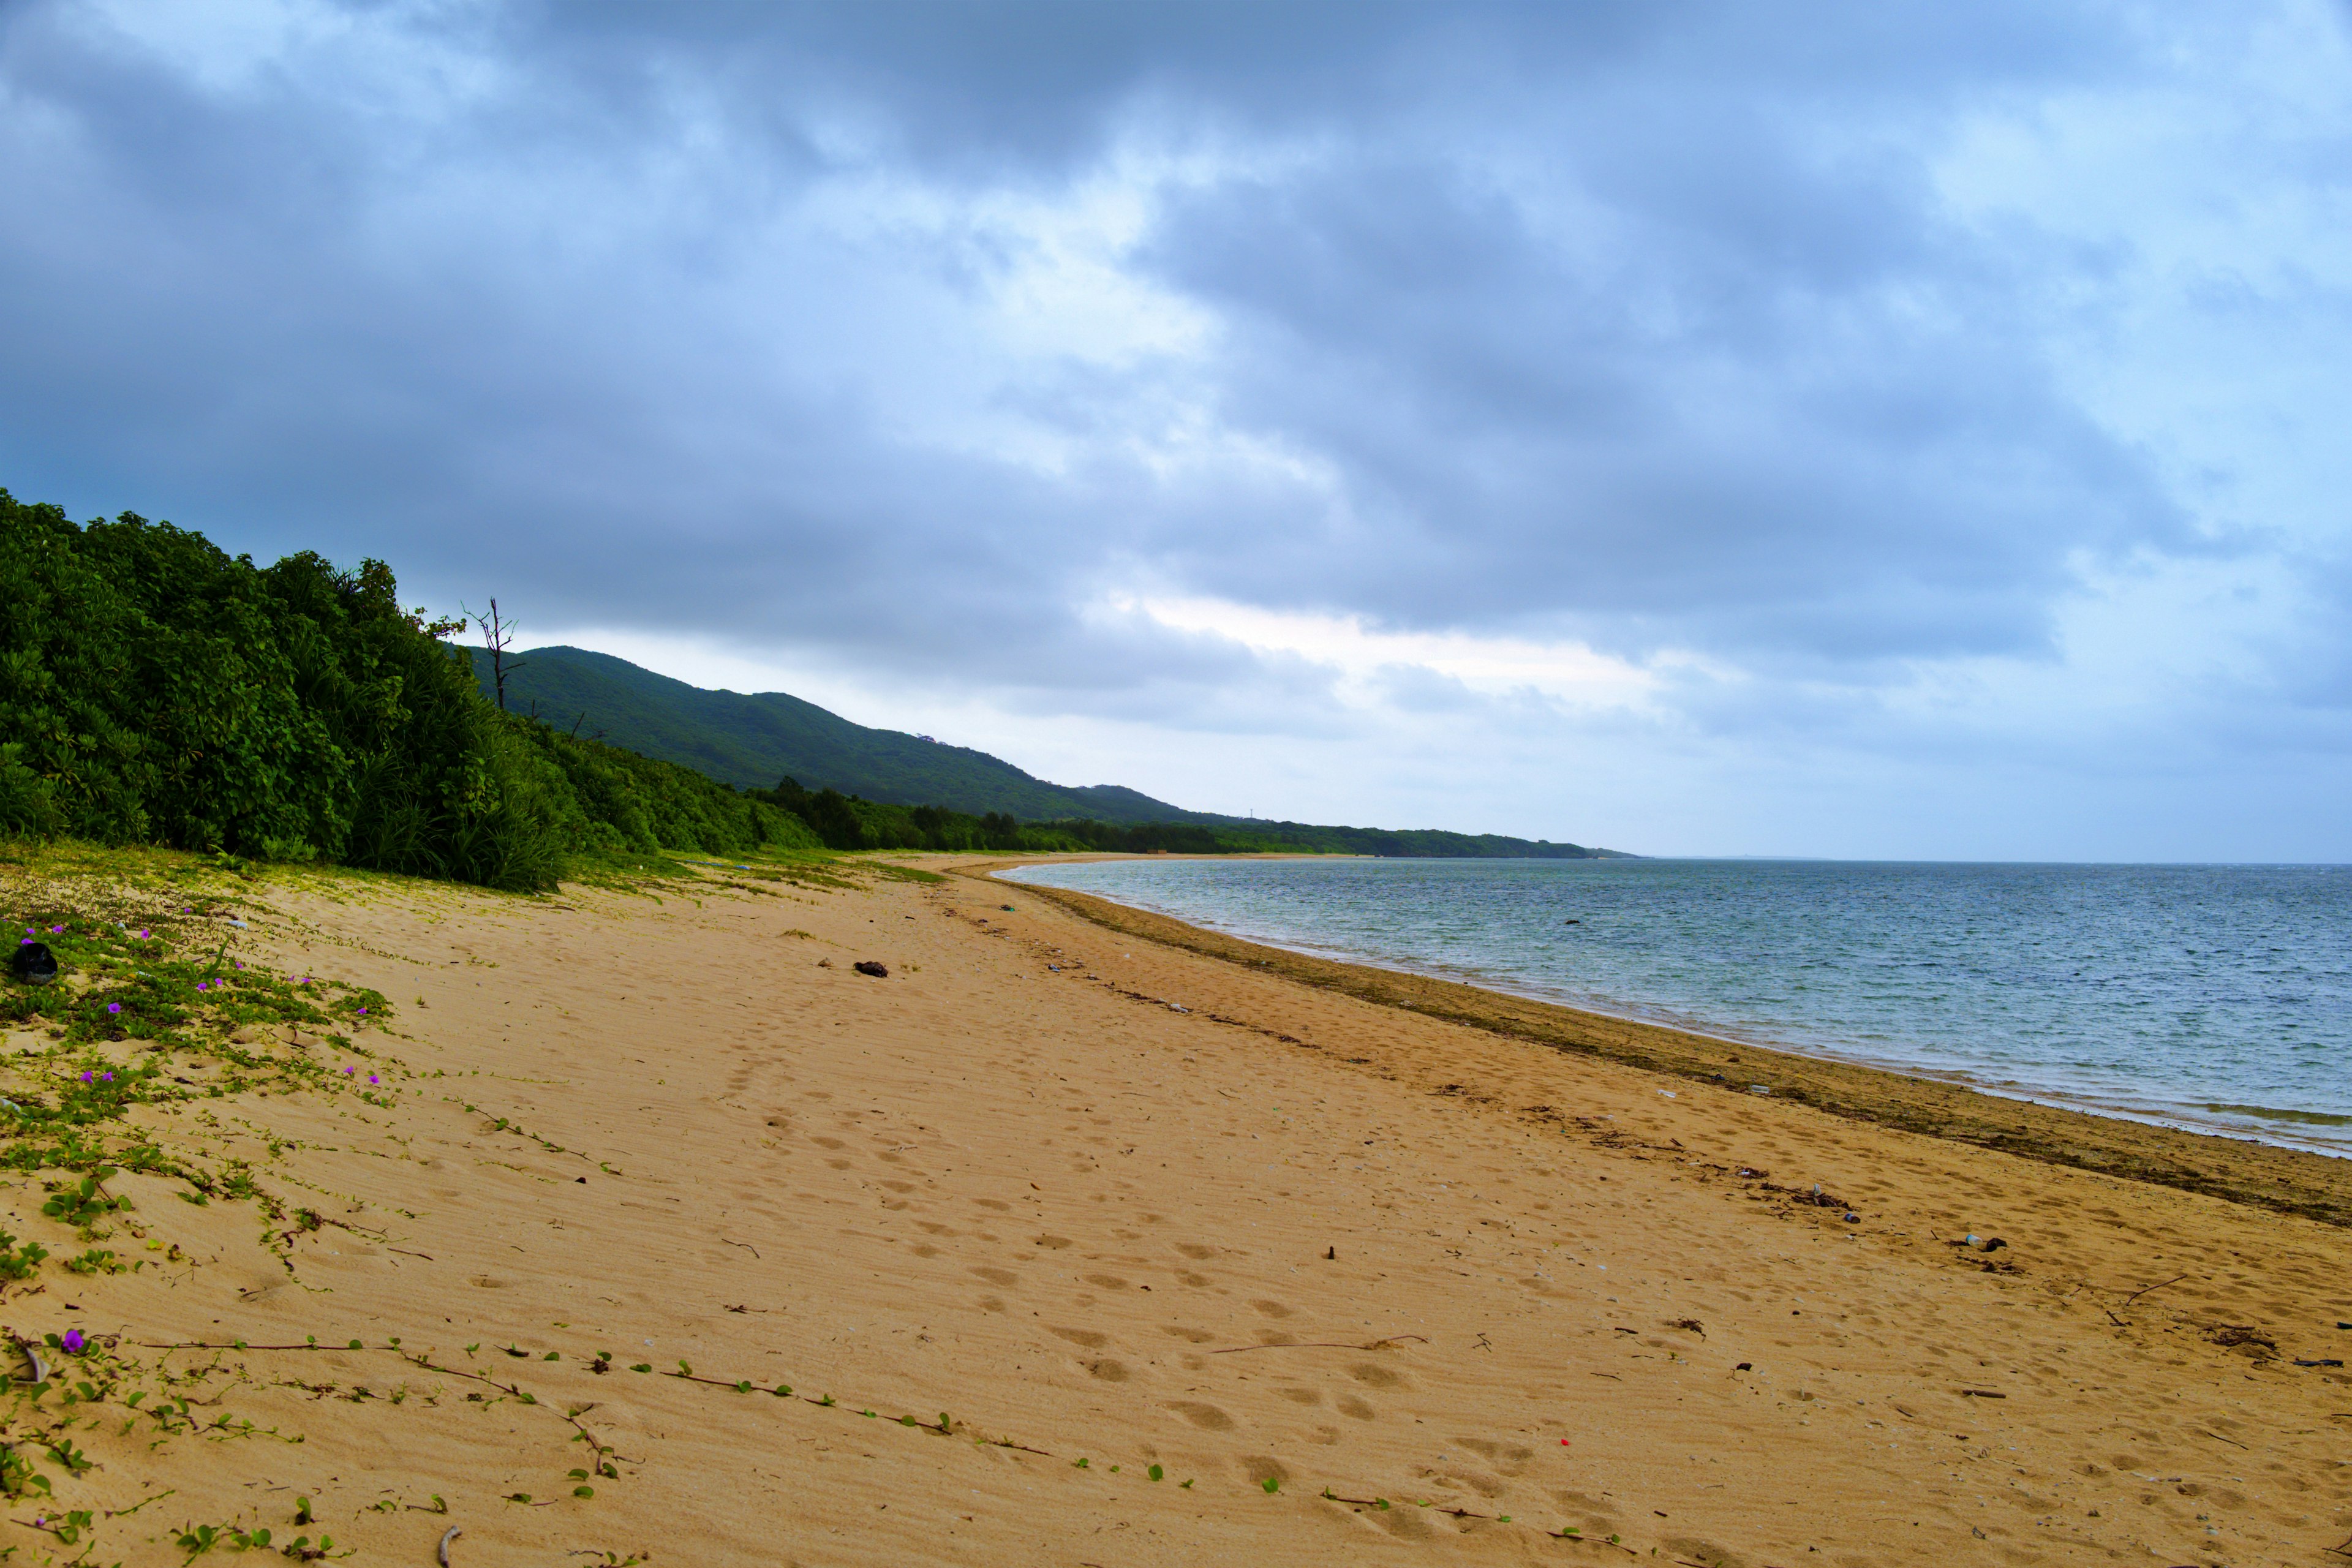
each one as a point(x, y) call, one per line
point(155, 689)
point(754, 741)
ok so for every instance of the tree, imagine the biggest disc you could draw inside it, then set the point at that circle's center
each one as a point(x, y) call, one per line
point(496, 635)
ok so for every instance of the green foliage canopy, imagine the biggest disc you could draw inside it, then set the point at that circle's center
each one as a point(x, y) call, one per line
point(154, 688)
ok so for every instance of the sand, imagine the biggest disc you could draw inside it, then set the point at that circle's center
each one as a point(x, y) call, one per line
point(1079, 1203)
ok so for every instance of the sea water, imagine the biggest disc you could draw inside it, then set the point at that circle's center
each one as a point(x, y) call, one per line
point(2216, 998)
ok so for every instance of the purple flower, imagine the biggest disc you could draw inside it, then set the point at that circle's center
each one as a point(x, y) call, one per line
point(240, 963)
point(110, 1078)
point(24, 942)
point(348, 1071)
point(200, 985)
point(85, 1078)
point(142, 930)
point(372, 1077)
point(114, 1006)
point(56, 930)
point(363, 1009)
point(73, 1341)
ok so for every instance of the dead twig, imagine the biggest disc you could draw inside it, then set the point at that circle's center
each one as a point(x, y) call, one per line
point(1321, 1345)
point(1327, 1495)
point(2157, 1286)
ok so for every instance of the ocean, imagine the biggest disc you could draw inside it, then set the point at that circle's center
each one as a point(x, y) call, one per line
point(2211, 997)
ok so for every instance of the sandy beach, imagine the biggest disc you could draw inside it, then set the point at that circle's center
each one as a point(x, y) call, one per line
point(1106, 1244)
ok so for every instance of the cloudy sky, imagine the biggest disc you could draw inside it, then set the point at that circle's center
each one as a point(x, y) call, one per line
point(1850, 430)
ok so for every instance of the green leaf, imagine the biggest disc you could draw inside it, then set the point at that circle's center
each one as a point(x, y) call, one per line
point(1156, 1473)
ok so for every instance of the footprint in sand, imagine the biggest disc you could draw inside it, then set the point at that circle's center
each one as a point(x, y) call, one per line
point(1087, 1337)
point(1350, 1406)
point(1208, 1417)
point(1272, 1309)
point(1107, 1281)
point(1198, 1336)
point(1004, 1277)
point(1507, 1458)
point(1108, 1371)
point(1195, 1250)
point(1301, 1395)
point(827, 1142)
point(1377, 1377)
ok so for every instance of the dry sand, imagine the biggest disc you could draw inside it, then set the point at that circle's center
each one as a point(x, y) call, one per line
point(1151, 1208)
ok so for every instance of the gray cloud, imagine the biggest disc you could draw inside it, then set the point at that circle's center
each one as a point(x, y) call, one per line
point(1658, 327)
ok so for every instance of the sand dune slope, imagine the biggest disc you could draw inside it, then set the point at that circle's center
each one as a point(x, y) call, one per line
point(1166, 1262)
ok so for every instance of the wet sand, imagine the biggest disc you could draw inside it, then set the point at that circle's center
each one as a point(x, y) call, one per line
point(1055, 1192)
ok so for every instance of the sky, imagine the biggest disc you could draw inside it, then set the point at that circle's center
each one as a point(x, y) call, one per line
point(1872, 430)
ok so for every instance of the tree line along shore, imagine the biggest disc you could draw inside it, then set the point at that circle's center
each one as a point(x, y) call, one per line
point(155, 689)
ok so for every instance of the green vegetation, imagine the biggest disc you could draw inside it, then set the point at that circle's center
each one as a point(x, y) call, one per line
point(848, 821)
point(154, 689)
point(750, 740)
point(882, 789)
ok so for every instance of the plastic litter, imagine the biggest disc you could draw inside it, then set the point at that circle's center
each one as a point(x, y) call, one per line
point(2328, 1361)
point(868, 966)
point(33, 964)
point(1759, 1088)
point(1853, 1219)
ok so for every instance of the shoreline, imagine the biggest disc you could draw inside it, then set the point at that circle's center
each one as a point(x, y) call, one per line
point(2277, 1176)
point(2173, 1119)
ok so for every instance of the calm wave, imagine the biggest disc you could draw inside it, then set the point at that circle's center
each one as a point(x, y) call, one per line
point(2218, 997)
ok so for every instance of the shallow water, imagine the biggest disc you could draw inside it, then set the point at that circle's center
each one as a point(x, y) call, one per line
point(2218, 997)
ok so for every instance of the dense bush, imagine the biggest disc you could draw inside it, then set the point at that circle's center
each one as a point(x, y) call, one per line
point(154, 688)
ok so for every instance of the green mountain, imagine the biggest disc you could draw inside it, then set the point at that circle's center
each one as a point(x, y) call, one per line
point(751, 742)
